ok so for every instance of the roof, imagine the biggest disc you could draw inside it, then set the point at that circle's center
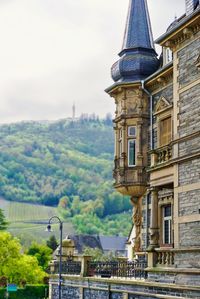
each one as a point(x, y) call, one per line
point(138, 31)
point(113, 243)
point(138, 58)
point(82, 241)
point(180, 22)
point(105, 243)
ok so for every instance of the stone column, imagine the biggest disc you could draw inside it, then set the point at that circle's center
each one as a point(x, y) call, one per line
point(123, 137)
point(139, 161)
point(116, 142)
point(154, 240)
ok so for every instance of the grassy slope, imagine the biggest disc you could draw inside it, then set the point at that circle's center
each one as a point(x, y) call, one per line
point(28, 221)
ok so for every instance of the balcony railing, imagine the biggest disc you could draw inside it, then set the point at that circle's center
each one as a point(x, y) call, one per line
point(161, 155)
point(68, 267)
point(165, 258)
point(118, 269)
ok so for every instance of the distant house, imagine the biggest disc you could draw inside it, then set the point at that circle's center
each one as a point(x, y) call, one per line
point(115, 244)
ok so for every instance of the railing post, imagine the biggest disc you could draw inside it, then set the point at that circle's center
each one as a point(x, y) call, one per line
point(84, 265)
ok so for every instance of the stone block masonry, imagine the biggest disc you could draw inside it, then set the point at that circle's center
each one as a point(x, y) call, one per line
point(189, 234)
point(99, 288)
point(188, 71)
point(189, 172)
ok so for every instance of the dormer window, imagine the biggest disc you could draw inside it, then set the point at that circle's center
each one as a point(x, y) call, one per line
point(167, 55)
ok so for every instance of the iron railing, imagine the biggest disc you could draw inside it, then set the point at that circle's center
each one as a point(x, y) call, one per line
point(133, 269)
point(68, 267)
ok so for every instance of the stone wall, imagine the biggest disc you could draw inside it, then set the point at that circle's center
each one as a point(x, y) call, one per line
point(189, 107)
point(189, 172)
point(189, 234)
point(188, 71)
point(189, 202)
point(86, 288)
point(187, 259)
point(190, 146)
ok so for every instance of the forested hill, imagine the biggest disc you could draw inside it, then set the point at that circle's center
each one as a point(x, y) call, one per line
point(60, 162)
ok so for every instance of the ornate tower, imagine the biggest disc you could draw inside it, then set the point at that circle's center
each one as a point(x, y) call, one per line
point(137, 61)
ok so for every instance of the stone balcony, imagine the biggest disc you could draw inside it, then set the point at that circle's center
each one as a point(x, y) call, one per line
point(129, 180)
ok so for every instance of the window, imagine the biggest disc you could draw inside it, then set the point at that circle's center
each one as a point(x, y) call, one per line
point(120, 142)
point(167, 55)
point(131, 152)
point(167, 224)
point(132, 131)
point(165, 131)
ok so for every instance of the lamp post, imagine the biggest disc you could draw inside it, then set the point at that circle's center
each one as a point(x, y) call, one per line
point(60, 251)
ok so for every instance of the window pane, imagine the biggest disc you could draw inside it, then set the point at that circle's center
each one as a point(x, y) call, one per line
point(165, 131)
point(167, 211)
point(131, 152)
point(166, 232)
point(132, 131)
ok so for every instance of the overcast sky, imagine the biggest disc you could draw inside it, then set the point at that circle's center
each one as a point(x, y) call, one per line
point(56, 52)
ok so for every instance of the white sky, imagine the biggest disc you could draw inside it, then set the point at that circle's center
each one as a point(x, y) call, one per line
point(56, 52)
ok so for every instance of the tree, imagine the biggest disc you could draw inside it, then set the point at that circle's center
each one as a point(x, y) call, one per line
point(52, 243)
point(15, 265)
point(3, 222)
point(42, 253)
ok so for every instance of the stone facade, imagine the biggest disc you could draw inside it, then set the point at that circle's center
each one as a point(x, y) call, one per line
point(172, 173)
point(104, 289)
point(157, 160)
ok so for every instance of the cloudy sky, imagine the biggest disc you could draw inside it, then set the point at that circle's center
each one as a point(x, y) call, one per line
point(56, 52)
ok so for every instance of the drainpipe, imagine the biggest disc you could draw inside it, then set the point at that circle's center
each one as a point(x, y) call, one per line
point(151, 112)
point(151, 147)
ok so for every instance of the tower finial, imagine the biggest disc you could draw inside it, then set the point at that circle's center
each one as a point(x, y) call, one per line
point(138, 58)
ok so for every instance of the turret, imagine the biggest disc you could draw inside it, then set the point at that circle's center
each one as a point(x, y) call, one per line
point(138, 60)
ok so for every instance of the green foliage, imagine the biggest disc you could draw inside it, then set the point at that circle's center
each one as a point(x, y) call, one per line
point(3, 222)
point(42, 253)
point(119, 224)
point(65, 164)
point(52, 243)
point(97, 254)
point(15, 265)
point(29, 292)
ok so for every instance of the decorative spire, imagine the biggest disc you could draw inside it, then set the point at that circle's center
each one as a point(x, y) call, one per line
point(138, 58)
point(138, 31)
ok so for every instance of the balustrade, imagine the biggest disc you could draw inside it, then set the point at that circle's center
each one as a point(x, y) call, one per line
point(161, 155)
point(165, 258)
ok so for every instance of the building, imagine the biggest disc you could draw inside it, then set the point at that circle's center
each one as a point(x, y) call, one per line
point(109, 245)
point(157, 141)
point(157, 163)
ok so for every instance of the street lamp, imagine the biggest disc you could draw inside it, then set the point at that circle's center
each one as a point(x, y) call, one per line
point(60, 251)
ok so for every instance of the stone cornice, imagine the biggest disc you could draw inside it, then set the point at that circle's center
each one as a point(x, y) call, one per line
point(187, 27)
point(161, 78)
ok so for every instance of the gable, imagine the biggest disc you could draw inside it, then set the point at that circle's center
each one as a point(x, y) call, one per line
point(162, 104)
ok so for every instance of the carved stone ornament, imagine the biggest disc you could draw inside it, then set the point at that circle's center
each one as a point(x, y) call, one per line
point(198, 61)
point(161, 104)
point(137, 220)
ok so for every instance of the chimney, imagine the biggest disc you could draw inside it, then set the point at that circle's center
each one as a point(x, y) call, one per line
point(191, 6)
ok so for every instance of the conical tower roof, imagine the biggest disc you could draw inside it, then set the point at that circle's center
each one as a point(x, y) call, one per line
point(138, 58)
point(138, 31)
